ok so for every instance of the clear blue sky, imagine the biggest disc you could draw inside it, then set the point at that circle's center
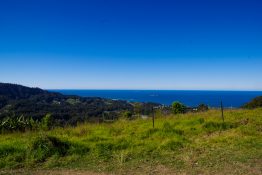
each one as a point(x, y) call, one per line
point(136, 44)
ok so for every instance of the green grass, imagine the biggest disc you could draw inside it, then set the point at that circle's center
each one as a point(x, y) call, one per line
point(194, 143)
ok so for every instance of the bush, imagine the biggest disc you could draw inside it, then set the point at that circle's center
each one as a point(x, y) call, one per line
point(47, 122)
point(202, 107)
point(12, 156)
point(178, 108)
point(255, 103)
point(43, 147)
point(13, 123)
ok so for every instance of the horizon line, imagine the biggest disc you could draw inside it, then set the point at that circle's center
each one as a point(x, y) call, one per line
point(134, 89)
point(100, 89)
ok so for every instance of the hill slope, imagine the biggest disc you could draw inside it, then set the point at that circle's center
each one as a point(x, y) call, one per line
point(255, 103)
point(34, 102)
point(14, 91)
point(194, 143)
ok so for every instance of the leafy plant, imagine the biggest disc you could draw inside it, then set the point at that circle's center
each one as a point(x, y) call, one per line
point(47, 122)
point(11, 124)
point(202, 107)
point(43, 147)
point(178, 108)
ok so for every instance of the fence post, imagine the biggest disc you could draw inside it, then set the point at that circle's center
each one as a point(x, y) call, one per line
point(153, 118)
point(222, 111)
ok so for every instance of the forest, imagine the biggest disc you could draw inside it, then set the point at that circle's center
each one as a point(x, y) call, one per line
point(35, 103)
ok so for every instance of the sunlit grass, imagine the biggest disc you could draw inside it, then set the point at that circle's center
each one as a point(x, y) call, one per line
point(198, 143)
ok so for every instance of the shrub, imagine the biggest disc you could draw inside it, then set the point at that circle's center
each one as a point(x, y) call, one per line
point(202, 107)
point(13, 123)
point(43, 147)
point(11, 156)
point(255, 103)
point(178, 108)
point(47, 122)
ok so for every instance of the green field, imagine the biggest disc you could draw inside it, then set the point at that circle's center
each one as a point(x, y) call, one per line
point(193, 143)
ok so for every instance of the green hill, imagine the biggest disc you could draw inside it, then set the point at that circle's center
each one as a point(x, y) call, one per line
point(17, 100)
point(255, 103)
point(15, 91)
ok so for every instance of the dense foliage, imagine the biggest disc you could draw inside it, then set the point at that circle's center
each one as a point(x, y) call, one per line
point(255, 103)
point(202, 108)
point(65, 109)
point(22, 124)
point(178, 108)
point(13, 91)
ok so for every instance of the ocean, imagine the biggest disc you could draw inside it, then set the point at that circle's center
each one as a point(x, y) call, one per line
point(191, 98)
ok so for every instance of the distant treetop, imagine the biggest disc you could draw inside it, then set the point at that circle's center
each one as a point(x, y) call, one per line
point(255, 103)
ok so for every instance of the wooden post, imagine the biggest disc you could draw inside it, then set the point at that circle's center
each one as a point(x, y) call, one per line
point(222, 111)
point(153, 118)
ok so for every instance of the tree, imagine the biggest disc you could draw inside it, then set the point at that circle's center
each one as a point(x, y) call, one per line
point(178, 108)
point(202, 107)
point(255, 103)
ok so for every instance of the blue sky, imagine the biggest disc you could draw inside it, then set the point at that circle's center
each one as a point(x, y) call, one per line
point(100, 44)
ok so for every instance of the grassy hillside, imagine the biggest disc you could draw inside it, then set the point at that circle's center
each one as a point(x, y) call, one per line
point(197, 143)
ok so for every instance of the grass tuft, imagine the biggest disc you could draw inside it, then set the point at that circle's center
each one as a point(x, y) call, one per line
point(45, 146)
